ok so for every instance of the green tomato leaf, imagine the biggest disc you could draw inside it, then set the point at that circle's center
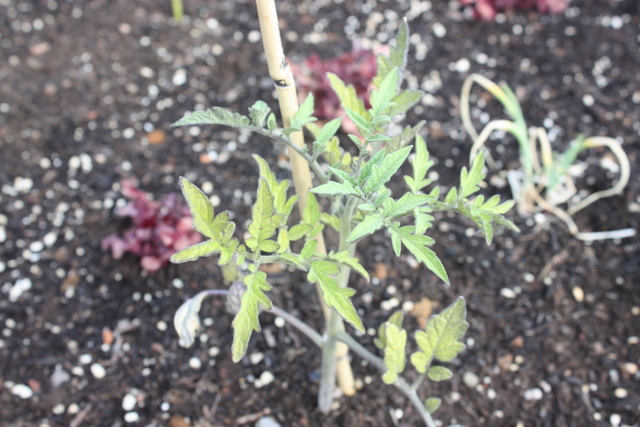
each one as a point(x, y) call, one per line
point(334, 296)
point(404, 101)
point(333, 188)
point(417, 245)
point(369, 225)
point(265, 221)
point(293, 260)
point(432, 404)
point(196, 251)
point(348, 96)
point(381, 98)
point(246, 319)
point(469, 180)
point(309, 249)
point(394, 352)
point(421, 165)
point(441, 338)
point(439, 373)
point(215, 116)
point(298, 231)
point(405, 204)
point(345, 258)
point(304, 113)
point(381, 341)
point(381, 174)
point(362, 124)
point(328, 130)
point(259, 112)
point(200, 207)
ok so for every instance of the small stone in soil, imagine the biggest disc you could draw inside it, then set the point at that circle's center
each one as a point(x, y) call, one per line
point(267, 422)
point(533, 394)
point(620, 393)
point(22, 391)
point(98, 371)
point(131, 417)
point(195, 363)
point(129, 402)
point(470, 379)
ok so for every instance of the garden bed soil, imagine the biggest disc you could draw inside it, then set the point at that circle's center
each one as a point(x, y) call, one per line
point(88, 90)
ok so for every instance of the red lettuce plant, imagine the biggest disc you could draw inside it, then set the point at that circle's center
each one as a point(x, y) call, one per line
point(487, 9)
point(357, 67)
point(159, 228)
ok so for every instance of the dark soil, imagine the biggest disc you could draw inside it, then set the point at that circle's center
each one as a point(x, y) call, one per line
point(77, 107)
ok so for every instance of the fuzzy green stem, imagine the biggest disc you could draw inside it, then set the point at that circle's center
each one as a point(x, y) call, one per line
point(334, 325)
point(401, 384)
point(177, 9)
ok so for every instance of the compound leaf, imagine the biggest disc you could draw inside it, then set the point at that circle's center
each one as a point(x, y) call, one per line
point(265, 221)
point(259, 112)
point(394, 352)
point(440, 339)
point(345, 258)
point(246, 319)
point(439, 373)
point(381, 174)
point(214, 116)
point(417, 245)
point(432, 404)
point(304, 113)
point(381, 341)
point(193, 252)
point(369, 225)
point(334, 296)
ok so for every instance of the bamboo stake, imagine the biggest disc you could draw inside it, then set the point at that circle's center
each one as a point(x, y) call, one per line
point(282, 76)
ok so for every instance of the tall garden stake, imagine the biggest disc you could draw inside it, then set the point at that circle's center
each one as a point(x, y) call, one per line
point(288, 99)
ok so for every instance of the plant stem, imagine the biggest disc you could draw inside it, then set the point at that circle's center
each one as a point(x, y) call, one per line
point(334, 324)
point(299, 324)
point(401, 384)
point(281, 74)
point(177, 9)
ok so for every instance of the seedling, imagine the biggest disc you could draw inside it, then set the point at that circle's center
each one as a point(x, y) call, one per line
point(537, 187)
point(355, 187)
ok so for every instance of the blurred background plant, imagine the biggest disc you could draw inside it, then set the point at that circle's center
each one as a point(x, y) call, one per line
point(357, 68)
point(487, 9)
point(158, 229)
point(543, 186)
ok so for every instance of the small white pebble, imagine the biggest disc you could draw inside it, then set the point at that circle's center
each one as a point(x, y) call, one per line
point(256, 358)
point(615, 420)
point(132, 417)
point(98, 371)
point(146, 72)
point(58, 409)
point(630, 368)
point(179, 77)
point(620, 393)
point(195, 363)
point(129, 402)
point(470, 379)
point(165, 406)
point(161, 325)
point(85, 359)
point(214, 351)
point(279, 322)
point(73, 409)
point(462, 65)
point(578, 293)
point(266, 378)
point(22, 391)
point(491, 394)
point(507, 293)
point(267, 422)
point(533, 394)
